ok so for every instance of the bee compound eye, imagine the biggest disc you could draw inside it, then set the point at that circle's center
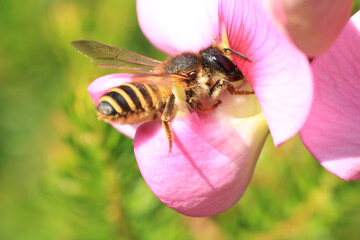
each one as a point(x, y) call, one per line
point(106, 109)
point(224, 63)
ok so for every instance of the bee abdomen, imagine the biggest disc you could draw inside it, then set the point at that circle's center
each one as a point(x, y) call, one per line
point(145, 93)
point(127, 98)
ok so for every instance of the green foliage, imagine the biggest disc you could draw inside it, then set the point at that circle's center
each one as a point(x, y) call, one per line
point(66, 175)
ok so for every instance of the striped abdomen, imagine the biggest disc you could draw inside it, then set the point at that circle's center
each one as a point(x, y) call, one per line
point(132, 102)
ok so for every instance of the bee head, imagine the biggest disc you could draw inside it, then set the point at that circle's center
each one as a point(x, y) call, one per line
point(215, 60)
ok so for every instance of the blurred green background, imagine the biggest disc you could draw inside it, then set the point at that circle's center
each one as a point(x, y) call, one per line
point(66, 175)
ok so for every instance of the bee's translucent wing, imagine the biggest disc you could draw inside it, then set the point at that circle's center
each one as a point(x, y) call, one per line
point(168, 79)
point(104, 55)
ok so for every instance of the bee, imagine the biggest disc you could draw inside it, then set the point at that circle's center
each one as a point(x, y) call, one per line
point(203, 75)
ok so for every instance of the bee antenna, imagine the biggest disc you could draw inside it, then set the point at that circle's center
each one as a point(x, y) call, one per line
point(237, 53)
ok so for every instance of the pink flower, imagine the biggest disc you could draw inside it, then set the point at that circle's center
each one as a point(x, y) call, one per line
point(332, 131)
point(214, 154)
point(312, 25)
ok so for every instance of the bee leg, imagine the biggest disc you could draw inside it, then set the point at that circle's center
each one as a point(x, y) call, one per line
point(190, 102)
point(203, 108)
point(218, 87)
point(234, 91)
point(222, 84)
point(166, 116)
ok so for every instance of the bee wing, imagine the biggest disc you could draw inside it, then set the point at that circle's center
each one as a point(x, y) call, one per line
point(168, 79)
point(104, 55)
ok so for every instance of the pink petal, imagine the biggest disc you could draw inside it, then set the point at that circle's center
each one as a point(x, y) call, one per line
point(312, 25)
point(278, 72)
point(101, 85)
point(332, 132)
point(210, 165)
point(177, 26)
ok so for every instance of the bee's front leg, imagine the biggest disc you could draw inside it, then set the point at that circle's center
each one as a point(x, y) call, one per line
point(209, 108)
point(220, 85)
point(167, 115)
